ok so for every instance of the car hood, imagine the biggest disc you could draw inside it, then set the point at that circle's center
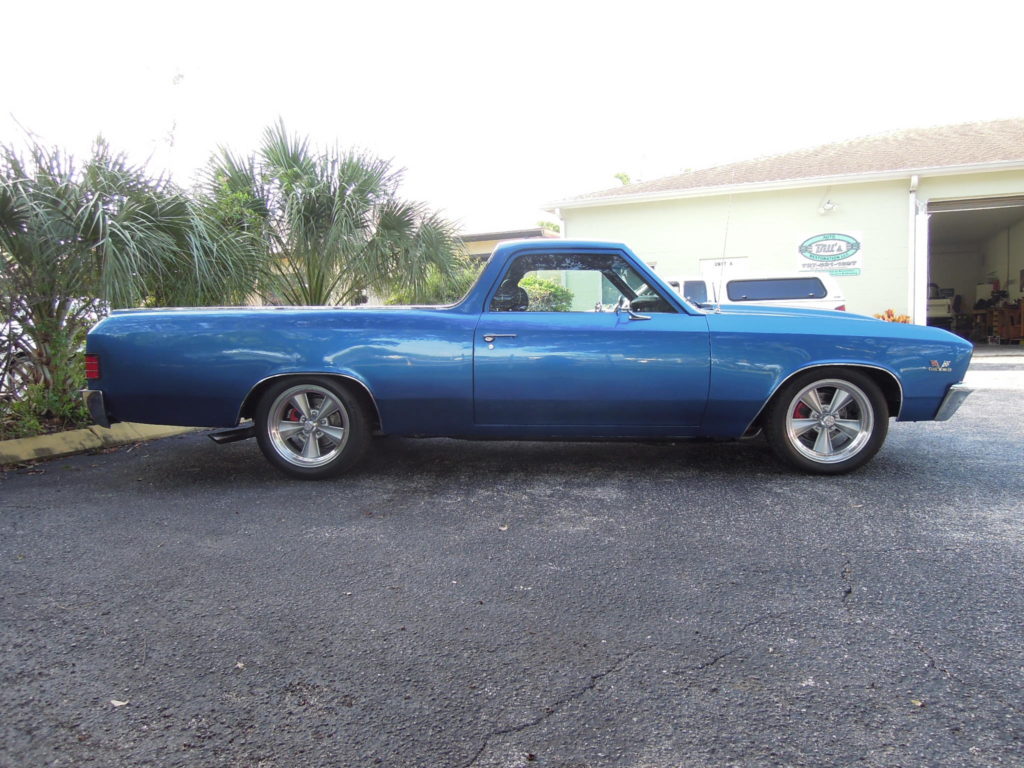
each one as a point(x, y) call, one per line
point(794, 321)
point(761, 309)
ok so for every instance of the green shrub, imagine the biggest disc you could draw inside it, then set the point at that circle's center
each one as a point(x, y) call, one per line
point(53, 402)
point(42, 410)
point(439, 288)
point(546, 295)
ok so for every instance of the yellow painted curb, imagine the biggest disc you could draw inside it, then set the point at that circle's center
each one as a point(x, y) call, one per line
point(79, 440)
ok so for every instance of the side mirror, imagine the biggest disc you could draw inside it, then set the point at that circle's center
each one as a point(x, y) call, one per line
point(623, 305)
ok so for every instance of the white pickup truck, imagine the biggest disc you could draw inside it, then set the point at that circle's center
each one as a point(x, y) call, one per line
point(800, 291)
point(940, 307)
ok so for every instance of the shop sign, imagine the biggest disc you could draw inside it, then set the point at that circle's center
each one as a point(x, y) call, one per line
point(835, 253)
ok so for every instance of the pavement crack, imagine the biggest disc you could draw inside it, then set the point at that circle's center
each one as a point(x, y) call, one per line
point(846, 576)
point(553, 708)
point(710, 663)
point(741, 630)
point(933, 663)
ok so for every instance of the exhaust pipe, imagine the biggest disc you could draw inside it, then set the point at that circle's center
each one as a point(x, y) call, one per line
point(233, 435)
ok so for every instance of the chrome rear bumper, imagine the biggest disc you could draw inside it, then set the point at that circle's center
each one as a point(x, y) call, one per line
point(94, 402)
point(953, 399)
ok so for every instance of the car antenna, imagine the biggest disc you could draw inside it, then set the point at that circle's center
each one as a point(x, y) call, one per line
point(725, 245)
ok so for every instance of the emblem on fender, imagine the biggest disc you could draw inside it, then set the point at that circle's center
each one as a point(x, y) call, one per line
point(940, 367)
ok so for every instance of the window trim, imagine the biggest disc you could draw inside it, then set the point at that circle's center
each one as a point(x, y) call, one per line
point(558, 254)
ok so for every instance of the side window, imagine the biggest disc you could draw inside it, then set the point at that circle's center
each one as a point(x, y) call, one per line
point(574, 283)
point(776, 289)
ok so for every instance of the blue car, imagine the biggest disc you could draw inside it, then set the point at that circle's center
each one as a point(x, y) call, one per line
point(556, 340)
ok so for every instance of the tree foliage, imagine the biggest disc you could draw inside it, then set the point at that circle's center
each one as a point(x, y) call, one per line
point(331, 223)
point(76, 239)
point(441, 291)
point(289, 223)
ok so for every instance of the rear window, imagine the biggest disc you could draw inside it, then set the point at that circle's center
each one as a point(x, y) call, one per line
point(696, 291)
point(776, 289)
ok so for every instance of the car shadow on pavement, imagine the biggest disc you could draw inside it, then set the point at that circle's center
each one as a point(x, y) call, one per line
point(195, 460)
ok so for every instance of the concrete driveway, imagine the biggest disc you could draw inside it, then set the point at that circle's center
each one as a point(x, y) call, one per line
point(500, 604)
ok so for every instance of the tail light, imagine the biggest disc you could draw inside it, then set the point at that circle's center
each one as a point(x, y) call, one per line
point(841, 308)
point(92, 366)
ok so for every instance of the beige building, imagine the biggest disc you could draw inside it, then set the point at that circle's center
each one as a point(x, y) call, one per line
point(887, 215)
point(479, 245)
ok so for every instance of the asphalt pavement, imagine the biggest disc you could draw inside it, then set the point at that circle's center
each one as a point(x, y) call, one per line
point(449, 603)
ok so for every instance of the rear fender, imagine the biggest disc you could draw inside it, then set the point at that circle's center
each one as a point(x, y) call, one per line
point(357, 386)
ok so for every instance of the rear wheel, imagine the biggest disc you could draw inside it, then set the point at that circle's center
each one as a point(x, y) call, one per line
point(311, 428)
point(827, 421)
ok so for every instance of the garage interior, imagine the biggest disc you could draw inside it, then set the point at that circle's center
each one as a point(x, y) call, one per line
point(976, 268)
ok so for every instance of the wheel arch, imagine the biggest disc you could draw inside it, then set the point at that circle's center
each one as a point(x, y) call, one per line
point(887, 381)
point(358, 388)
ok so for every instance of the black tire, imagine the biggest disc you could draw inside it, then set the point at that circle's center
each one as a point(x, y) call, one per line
point(827, 440)
point(295, 411)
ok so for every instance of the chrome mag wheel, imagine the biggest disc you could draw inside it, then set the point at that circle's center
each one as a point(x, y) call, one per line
point(308, 425)
point(829, 421)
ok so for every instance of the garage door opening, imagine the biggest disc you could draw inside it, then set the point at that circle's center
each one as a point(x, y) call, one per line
point(975, 267)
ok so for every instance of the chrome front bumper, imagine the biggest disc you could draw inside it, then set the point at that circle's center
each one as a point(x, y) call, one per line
point(953, 399)
point(94, 402)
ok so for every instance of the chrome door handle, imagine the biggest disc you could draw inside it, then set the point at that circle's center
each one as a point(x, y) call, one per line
point(490, 337)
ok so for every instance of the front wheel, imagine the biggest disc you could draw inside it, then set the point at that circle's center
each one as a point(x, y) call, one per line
point(827, 421)
point(311, 428)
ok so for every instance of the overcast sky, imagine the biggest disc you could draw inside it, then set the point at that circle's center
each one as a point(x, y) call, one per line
point(496, 109)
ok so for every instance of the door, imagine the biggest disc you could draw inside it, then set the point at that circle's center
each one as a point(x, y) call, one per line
point(580, 340)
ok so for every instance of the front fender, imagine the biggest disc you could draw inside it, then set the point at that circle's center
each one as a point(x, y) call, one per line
point(751, 360)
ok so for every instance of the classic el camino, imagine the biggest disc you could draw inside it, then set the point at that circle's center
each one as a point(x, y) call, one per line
point(619, 356)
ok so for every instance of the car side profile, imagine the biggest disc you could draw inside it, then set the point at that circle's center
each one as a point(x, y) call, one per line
point(625, 358)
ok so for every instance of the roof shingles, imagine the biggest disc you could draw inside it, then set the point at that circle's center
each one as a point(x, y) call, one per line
point(946, 146)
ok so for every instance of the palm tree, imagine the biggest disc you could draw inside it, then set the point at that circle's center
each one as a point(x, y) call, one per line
point(77, 239)
point(331, 222)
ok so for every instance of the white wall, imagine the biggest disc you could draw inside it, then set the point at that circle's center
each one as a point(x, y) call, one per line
point(768, 228)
